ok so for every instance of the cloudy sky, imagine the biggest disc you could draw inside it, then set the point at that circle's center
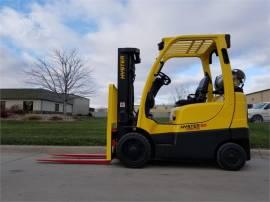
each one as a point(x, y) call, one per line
point(31, 29)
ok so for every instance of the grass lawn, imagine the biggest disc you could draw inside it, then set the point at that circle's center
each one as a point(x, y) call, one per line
point(259, 135)
point(86, 132)
point(82, 132)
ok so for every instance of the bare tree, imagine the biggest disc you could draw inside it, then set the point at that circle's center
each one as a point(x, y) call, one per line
point(64, 73)
point(182, 92)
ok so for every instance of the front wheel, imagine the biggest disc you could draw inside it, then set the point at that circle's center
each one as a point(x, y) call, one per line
point(133, 150)
point(257, 119)
point(231, 156)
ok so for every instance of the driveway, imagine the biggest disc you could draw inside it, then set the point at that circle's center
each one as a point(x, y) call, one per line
point(22, 179)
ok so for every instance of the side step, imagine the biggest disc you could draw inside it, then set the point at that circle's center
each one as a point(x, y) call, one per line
point(99, 159)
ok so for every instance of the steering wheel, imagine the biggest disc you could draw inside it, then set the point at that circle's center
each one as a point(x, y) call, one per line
point(165, 78)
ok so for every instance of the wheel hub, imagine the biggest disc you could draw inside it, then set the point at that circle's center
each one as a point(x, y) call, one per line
point(133, 149)
point(232, 156)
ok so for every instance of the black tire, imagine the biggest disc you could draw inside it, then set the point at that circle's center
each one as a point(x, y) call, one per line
point(231, 156)
point(257, 119)
point(134, 150)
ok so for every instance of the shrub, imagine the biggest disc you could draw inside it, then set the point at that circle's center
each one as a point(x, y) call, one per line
point(34, 118)
point(4, 114)
point(20, 112)
point(56, 118)
point(15, 109)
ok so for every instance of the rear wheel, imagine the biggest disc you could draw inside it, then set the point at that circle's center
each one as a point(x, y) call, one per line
point(134, 150)
point(231, 156)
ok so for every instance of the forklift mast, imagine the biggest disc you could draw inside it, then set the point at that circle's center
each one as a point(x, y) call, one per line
point(127, 58)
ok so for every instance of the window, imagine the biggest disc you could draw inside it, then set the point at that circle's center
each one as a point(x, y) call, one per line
point(250, 106)
point(3, 105)
point(185, 75)
point(216, 72)
point(267, 107)
point(56, 107)
point(28, 106)
point(258, 106)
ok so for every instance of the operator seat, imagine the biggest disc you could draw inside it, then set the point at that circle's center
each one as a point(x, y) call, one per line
point(200, 93)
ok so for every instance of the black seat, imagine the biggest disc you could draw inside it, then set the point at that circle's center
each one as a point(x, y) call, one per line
point(200, 95)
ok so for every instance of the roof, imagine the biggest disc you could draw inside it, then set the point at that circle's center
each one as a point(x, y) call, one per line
point(32, 94)
point(260, 91)
point(191, 45)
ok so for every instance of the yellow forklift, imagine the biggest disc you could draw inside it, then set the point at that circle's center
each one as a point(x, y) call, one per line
point(210, 124)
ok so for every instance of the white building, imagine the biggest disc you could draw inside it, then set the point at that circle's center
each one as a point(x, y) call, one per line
point(42, 101)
